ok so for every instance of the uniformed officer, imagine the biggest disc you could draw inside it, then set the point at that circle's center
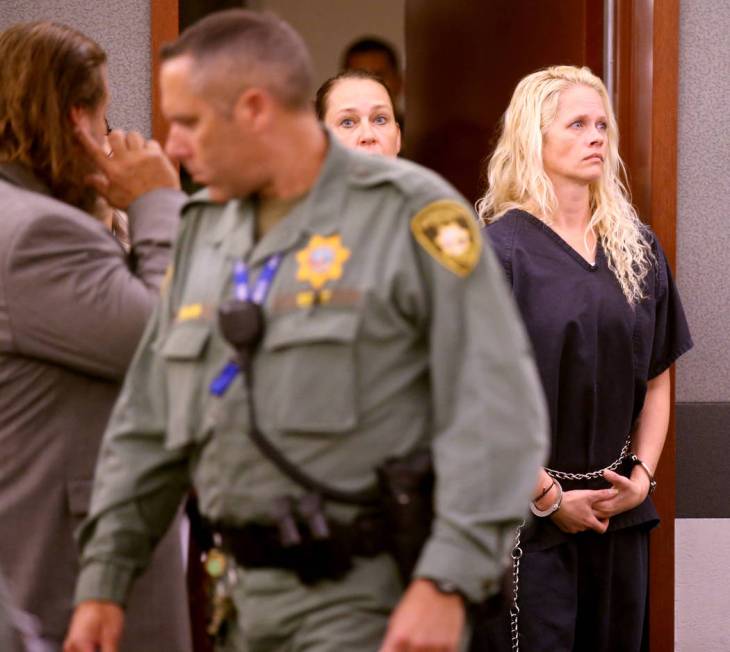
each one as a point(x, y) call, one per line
point(386, 327)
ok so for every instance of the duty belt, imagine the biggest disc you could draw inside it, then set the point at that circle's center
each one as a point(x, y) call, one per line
point(311, 557)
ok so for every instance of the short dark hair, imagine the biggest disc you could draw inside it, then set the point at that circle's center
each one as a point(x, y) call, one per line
point(323, 92)
point(371, 44)
point(47, 69)
point(261, 49)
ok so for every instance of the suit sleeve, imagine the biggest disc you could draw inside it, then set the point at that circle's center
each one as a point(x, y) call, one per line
point(489, 419)
point(138, 483)
point(75, 298)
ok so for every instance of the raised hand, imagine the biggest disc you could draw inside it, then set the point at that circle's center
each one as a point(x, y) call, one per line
point(133, 167)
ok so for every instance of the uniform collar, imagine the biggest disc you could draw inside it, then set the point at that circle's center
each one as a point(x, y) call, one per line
point(319, 212)
point(22, 176)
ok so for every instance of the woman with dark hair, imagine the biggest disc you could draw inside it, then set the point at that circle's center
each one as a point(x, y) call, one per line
point(606, 323)
point(73, 305)
point(358, 108)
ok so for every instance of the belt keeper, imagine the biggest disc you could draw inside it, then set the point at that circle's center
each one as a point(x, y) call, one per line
point(637, 462)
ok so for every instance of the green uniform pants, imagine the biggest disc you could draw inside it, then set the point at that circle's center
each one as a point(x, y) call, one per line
point(276, 613)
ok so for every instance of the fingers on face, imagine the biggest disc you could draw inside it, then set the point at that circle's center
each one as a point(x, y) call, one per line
point(154, 146)
point(135, 140)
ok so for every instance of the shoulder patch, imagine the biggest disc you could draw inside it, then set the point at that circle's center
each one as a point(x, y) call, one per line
point(449, 233)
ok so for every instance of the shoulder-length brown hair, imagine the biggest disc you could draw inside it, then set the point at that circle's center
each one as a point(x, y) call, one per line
point(45, 70)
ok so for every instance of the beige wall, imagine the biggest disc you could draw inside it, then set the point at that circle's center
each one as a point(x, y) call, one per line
point(703, 376)
point(122, 28)
point(329, 26)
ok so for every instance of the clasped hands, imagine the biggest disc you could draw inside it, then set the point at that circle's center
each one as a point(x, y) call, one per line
point(589, 509)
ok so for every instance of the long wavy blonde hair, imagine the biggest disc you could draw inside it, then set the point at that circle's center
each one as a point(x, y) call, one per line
point(517, 178)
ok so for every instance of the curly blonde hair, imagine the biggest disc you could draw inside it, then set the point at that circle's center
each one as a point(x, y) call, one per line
point(517, 178)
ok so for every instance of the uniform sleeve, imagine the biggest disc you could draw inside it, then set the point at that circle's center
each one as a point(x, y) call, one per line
point(75, 299)
point(138, 484)
point(489, 418)
point(671, 332)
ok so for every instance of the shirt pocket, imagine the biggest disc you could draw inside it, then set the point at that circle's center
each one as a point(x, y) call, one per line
point(305, 378)
point(183, 350)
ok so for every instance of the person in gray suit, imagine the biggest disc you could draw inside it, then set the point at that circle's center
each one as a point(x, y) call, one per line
point(73, 305)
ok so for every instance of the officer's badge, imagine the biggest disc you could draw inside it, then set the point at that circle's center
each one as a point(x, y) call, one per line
point(449, 233)
point(321, 260)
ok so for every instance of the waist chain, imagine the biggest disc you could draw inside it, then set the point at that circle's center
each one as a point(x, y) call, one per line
point(517, 551)
point(592, 475)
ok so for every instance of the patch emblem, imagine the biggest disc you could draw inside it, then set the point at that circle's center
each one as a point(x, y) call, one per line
point(449, 233)
point(321, 260)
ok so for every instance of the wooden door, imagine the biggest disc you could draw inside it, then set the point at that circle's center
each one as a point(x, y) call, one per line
point(464, 58)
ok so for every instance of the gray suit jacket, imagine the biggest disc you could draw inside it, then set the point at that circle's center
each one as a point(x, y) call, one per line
point(73, 305)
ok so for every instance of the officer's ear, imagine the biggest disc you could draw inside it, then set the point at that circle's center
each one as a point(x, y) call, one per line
point(253, 108)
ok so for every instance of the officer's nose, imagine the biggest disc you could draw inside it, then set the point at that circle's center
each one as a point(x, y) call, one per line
point(176, 146)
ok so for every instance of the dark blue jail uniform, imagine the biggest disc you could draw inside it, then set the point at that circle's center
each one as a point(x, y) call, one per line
point(595, 353)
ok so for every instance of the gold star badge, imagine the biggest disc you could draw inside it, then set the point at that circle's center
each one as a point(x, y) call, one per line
point(449, 233)
point(321, 260)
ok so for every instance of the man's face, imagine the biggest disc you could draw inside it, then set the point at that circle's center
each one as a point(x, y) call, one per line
point(377, 63)
point(204, 137)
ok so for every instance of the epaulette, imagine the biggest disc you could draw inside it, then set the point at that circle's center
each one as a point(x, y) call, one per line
point(368, 170)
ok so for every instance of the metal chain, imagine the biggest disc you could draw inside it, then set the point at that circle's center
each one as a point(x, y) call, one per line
point(514, 611)
point(592, 475)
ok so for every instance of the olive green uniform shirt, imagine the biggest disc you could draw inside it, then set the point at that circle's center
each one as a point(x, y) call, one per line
point(376, 342)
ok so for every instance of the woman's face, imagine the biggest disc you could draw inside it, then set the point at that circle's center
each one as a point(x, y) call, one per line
point(360, 114)
point(574, 145)
point(93, 120)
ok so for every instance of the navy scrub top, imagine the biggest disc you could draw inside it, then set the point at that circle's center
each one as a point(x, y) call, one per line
point(595, 352)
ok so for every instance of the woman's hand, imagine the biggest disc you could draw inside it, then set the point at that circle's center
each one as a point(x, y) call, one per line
point(630, 492)
point(577, 513)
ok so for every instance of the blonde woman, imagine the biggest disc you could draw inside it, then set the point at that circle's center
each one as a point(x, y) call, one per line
point(606, 323)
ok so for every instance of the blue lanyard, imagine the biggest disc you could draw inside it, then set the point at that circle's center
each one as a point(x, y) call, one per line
point(241, 285)
point(242, 291)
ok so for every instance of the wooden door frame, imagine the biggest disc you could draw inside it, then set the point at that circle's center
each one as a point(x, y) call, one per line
point(647, 92)
point(164, 26)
